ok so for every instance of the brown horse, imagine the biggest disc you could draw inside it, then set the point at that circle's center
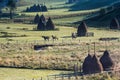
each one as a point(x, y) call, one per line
point(46, 38)
point(54, 37)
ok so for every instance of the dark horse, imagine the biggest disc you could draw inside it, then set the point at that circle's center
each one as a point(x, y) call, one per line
point(46, 38)
point(54, 37)
point(74, 35)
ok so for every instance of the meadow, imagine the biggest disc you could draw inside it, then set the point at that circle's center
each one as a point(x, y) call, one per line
point(26, 74)
point(17, 41)
point(63, 31)
point(18, 45)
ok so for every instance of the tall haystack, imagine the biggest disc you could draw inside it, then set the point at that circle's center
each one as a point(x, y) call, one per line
point(42, 17)
point(38, 8)
point(82, 29)
point(96, 65)
point(87, 65)
point(50, 25)
point(41, 25)
point(44, 8)
point(114, 24)
point(36, 19)
point(106, 61)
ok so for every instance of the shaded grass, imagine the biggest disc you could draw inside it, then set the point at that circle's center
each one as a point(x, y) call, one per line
point(27, 74)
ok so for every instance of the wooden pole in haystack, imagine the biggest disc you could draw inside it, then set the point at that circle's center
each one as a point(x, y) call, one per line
point(96, 66)
point(106, 44)
point(94, 48)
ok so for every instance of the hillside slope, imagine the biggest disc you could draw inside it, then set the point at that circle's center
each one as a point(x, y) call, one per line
point(46, 1)
point(91, 4)
point(103, 20)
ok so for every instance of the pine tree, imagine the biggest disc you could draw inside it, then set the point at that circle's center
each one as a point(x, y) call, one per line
point(11, 5)
point(50, 25)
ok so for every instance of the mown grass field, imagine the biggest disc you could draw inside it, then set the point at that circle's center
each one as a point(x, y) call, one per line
point(63, 31)
point(18, 51)
point(26, 74)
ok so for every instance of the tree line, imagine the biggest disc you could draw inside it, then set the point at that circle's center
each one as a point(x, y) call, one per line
point(10, 5)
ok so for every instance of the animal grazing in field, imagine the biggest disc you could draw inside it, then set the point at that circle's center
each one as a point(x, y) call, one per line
point(46, 38)
point(54, 37)
point(74, 35)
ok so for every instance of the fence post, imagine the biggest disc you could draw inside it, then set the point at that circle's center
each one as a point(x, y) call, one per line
point(47, 77)
point(79, 40)
point(76, 77)
point(62, 77)
point(55, 77)
point(69, 77)
point(62, 41)
point(41, 78)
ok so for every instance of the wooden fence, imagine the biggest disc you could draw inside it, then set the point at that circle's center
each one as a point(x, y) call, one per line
point(80, 76)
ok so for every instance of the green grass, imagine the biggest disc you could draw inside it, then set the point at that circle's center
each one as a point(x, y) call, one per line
point(68, 21)
point(59, 12)
point(63, 31)
point(46, 1)
point(49, 3)
point(33, 35)
point(25, 74)
point(88, 5)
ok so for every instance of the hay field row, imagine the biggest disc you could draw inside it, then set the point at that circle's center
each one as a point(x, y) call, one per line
point(63, 33)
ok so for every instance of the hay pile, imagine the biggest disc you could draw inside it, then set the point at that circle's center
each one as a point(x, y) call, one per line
point(92, 64)
point(106, 61)
point(82, 29)
point(114, 24)
point(87, 64)
point(96, 65)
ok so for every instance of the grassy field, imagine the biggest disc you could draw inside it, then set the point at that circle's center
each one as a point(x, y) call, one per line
point(18, 29)
point(60, 12)
point(17, 42)
point(25, 74)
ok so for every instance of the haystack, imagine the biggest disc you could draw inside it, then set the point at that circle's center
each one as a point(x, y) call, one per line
point(50, 25)
point(42, 17)
point(82, 29)
point(107, 61)
point(87, 65)
point(114, 24)
point(96, 65)
point(41, 25)
point(36, 19)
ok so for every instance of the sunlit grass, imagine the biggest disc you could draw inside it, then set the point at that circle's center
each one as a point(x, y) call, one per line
point(59, 12)
point(62, 32)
